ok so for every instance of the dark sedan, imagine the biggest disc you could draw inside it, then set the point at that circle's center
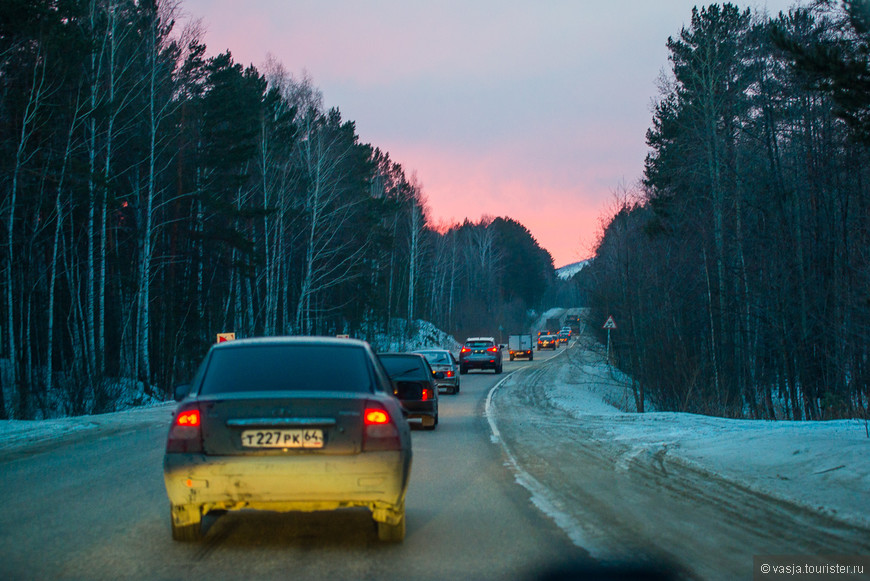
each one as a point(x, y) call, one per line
point(415, 385)
point(288, 424)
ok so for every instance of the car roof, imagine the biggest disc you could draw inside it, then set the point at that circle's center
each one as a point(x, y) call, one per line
point(480, 339)
point(288, 340)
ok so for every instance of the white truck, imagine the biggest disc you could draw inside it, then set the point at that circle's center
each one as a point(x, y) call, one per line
point(520, 346)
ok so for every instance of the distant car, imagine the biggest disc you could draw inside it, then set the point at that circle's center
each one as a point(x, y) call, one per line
point(443, 361)
point(415, 385)
point(288, 424)
point(548, 342)
point(564, 335)
point(480, 353)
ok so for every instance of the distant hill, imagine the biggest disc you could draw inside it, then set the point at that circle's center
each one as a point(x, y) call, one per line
point(570, 270)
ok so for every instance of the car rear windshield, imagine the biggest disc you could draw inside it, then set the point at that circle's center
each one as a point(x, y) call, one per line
point(479, 344)
point(287, 368)
point(404, 367)
point(437, 357)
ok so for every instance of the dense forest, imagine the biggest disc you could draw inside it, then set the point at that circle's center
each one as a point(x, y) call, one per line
point(153, 197)
point(738, 272)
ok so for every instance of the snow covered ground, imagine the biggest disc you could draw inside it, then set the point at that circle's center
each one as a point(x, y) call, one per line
point(823, 466)
point(570, 270)
point(18, 434)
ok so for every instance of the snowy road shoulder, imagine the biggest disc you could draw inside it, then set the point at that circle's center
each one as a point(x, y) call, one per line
point(21, 436)
point(824, 466)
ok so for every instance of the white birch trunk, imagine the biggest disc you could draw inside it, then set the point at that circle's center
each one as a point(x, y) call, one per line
point(27, 127)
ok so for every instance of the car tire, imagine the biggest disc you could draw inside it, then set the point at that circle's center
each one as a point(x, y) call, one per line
point(463, 370)
point(531, 356)
point(498, 368)
point(186, 523)
point(392, 533)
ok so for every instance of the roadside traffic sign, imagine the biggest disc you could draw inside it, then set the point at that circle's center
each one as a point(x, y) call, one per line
point(609, 323)
point(221, 337)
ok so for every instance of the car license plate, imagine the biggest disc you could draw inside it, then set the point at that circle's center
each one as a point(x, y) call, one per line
point(282, 438)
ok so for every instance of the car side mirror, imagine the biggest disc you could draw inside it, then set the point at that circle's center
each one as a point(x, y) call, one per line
point(181, 391)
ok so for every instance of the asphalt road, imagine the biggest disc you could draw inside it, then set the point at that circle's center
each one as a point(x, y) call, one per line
point(94, 507)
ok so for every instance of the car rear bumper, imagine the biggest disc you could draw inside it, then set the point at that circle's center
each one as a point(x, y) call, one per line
point(420, 409)
point(526, 353)
point(447, 383)
point(488, 363)
point(304, 482)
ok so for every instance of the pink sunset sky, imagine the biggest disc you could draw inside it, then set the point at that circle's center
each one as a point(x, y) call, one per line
point(532, 110)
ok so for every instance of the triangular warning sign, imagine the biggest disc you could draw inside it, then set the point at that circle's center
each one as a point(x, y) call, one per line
point(609, 323)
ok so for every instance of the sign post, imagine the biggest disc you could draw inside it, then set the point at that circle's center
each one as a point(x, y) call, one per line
point(609, 324)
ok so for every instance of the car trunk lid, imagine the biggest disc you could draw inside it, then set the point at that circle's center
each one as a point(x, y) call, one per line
point(281, 423)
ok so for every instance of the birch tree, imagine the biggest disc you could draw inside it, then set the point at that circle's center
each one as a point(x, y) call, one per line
point(31, 117)
point(333, 252)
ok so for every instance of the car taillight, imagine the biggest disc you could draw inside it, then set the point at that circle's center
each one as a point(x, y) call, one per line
point(379, 431)
point(427, 394)
point(448, 373)
point(493, 349)
point(375, 417)
point(465, 350)
point(185, 433)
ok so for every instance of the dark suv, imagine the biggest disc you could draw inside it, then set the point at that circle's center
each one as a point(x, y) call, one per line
point(480, 353)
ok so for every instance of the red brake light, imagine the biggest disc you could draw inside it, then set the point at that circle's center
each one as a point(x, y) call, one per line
point(375, 417)
point(379, 431)
point(448, 373)
point(493, 349)
point(185, 433)
point(188, 418)
point(465, 350)
point(427, 394)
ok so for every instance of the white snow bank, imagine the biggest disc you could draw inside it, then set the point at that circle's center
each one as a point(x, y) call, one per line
point(421, 335)
point(568, 271)
point(824, 466)
point(21, 433)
